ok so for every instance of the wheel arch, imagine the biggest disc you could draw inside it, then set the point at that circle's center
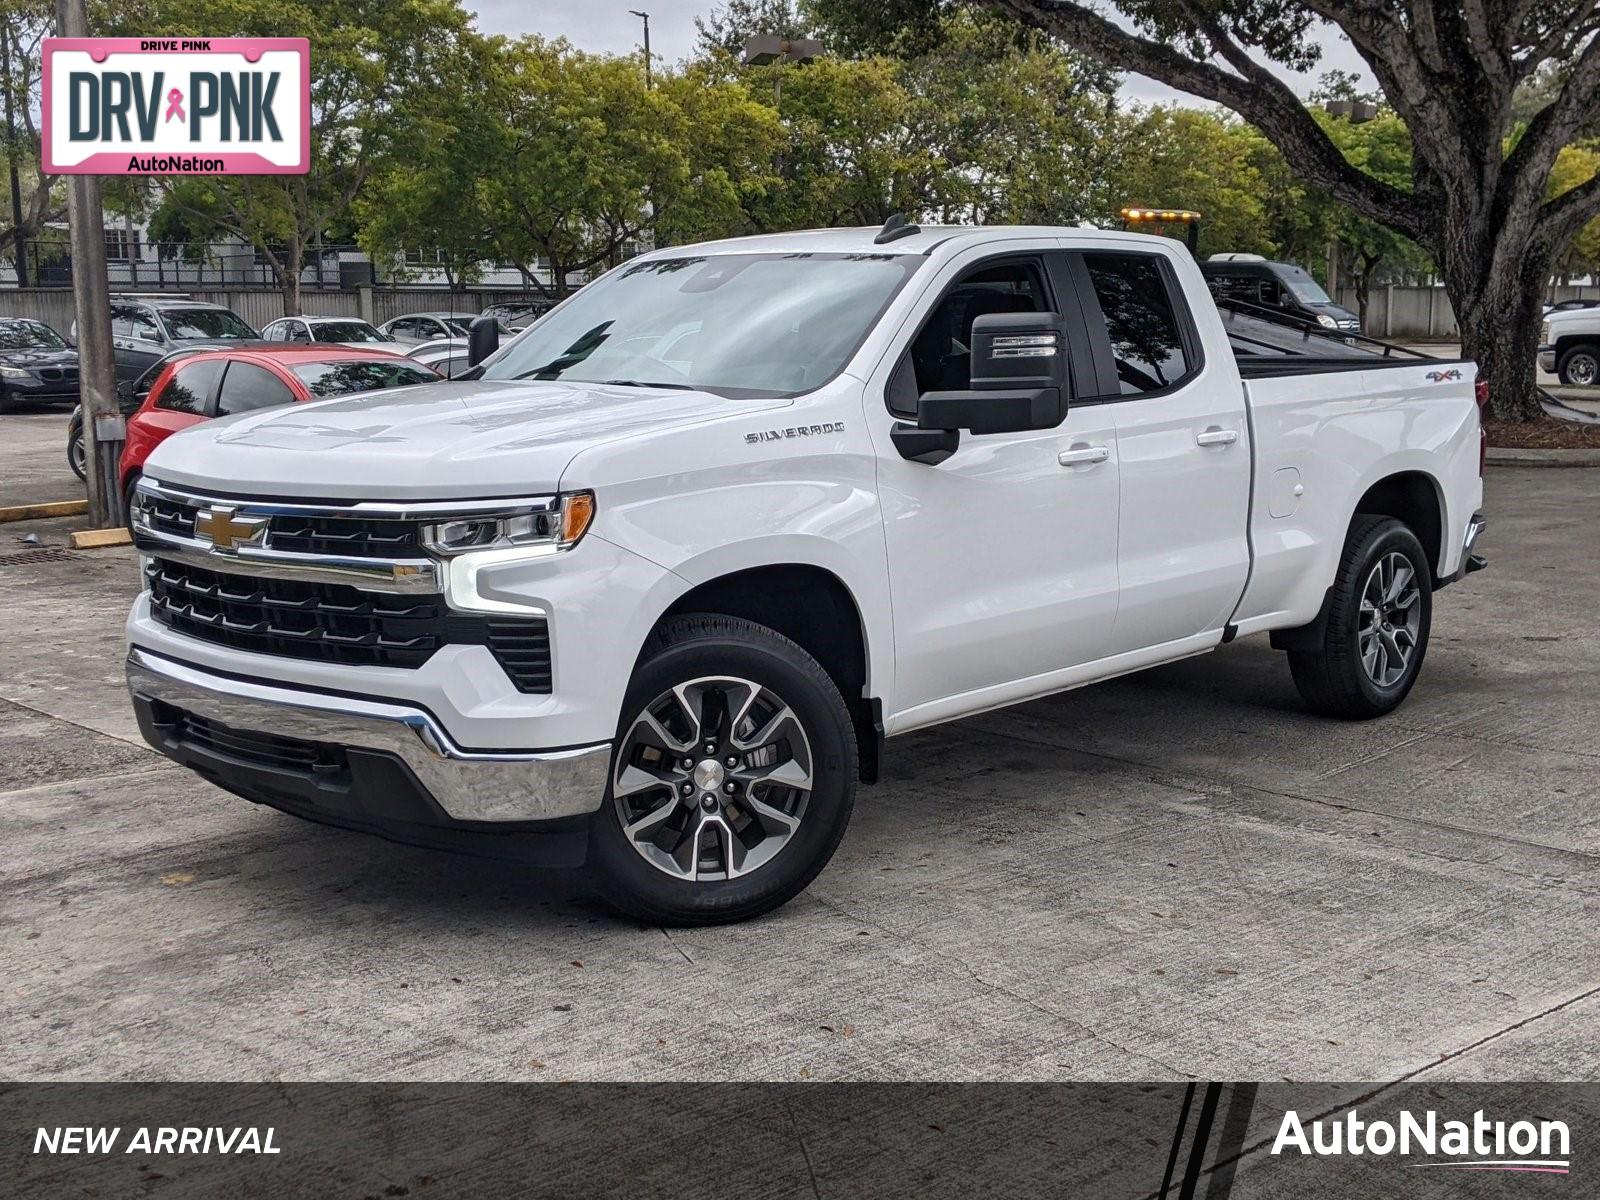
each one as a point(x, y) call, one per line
point(813, 607)
point(1416, 498)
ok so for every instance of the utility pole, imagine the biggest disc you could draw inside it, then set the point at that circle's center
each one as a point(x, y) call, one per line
point(102, 422)
point(645, 17)
point(20, 256)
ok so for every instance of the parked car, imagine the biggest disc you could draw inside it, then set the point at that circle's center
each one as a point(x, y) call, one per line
point(1569, 346)
point(1283, 287)
point(648, 593)
point(146, 327)
point(332, 331)
point(515, 316)
point(448, 356)
point(195, 388)
point(37, 364)
point(131, 395)
point(416, 328)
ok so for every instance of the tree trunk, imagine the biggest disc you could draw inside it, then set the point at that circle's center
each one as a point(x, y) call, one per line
point(289, 277)
point(1504, 341)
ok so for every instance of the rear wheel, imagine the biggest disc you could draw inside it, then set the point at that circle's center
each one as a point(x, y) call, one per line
point(1379, 615)
point(733, 777)
point(1579, 366)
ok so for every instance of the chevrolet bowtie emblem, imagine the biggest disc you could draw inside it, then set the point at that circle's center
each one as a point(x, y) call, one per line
point(226, 531)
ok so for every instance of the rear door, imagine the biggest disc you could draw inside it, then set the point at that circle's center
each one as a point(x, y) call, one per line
point(1183, 447)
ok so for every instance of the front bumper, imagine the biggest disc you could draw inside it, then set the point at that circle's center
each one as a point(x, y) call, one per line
point(1547, 360)
point(366, 747)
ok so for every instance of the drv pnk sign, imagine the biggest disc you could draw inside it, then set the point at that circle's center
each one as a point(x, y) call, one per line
point(177, 106)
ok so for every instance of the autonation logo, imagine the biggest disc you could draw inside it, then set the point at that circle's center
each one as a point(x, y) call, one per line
point(1542, 1148)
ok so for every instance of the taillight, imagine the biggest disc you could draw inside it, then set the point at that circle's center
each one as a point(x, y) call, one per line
point(1480, 389)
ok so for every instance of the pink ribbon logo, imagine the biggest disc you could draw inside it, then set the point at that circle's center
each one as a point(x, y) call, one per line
point(175, 105)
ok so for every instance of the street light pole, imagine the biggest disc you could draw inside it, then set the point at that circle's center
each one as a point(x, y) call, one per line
point(645, 17)
point(102, 422)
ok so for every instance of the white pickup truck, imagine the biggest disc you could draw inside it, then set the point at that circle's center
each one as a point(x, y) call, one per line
point(1569, 346)
point(649, 590)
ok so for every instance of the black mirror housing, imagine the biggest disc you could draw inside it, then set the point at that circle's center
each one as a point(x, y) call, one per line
point(483, 339)
point(1019, 378)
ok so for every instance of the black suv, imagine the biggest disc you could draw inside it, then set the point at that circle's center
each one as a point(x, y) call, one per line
point(145, 328)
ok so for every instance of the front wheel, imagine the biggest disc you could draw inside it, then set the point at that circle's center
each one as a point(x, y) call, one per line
point(77, 454)
point(1379, 613)
point(1579, 366)
point(733, 778)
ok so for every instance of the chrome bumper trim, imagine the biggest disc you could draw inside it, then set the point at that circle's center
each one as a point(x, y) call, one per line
point(417, 576)
point(1474, 528)
point(470, 785)
point(397, 510)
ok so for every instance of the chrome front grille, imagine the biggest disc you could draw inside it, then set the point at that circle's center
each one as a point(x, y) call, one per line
point(318, 582)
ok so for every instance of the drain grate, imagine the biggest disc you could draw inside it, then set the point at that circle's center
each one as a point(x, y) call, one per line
point(28, 557)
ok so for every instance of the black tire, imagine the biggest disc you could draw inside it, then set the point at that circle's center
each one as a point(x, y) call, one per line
point(76, 450)
point(127, 501)
point(1334, 680)
point(1579, 366)
point(688, 650)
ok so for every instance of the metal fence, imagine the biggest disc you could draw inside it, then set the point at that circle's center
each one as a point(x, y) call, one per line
point(134, 264)
point(1425, 312)
point(54, 306)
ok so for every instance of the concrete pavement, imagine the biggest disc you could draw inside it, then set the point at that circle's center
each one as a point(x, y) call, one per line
point(1176, 874)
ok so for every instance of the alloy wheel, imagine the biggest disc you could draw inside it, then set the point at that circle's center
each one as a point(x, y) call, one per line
point(713, 778)
point(1390, 620)
point(1582, 369)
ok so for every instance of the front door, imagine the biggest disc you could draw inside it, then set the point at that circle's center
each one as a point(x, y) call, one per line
point(1003, 557)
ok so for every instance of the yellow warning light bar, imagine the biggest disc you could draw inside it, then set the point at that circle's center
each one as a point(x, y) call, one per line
point(1160, 214)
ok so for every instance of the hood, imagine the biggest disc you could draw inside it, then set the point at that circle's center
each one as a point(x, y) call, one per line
point(435, 441)
point(39, 356)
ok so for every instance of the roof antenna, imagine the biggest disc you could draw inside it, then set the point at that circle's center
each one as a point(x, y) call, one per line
point(895, 228)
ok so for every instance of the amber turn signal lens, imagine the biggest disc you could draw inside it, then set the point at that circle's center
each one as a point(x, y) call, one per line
point(577, 510)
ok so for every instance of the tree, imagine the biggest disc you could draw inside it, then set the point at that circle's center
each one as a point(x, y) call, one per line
point(23, 26)
point(590, 161)
point(727, 27)
point(1477, 198)
point(368, 58)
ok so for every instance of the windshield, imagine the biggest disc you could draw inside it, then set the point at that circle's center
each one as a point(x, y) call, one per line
point(1306, 289)
point(29, 335)
point(347, 331)
point(186, 323)
point(344, 377)
point(735, 324)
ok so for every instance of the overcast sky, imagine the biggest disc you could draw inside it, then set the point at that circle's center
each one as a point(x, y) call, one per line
point(607, 26)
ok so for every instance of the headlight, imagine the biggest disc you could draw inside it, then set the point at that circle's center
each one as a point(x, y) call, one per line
point(1325, 320)
point(14, 373)
point(558, 525)
point(1544, 334)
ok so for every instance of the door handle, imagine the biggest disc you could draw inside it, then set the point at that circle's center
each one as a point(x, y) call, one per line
point(1217, 437)
point(1080, 456)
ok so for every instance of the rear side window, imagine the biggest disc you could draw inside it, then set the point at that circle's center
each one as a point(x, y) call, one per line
point(1141, 320)
point(248, 387)
point(191, 386)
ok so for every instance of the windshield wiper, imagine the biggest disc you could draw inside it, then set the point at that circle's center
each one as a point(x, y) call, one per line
point(643, 383)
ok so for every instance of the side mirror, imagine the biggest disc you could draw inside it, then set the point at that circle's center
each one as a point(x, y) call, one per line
point(1019, 378)
point(483, 339)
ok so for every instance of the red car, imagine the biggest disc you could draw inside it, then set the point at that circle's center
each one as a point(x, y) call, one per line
point(219, 383)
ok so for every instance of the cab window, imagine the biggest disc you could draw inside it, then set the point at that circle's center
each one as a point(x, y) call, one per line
point(1142, 320)
point(941, 351)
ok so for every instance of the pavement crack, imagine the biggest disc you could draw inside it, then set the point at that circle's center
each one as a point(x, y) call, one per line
point(805, 1151)
point(50, 716)
point(666, 934)
point(1499, 1033)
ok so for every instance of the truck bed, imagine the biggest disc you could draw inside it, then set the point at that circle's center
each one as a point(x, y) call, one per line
point(1268, 345)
